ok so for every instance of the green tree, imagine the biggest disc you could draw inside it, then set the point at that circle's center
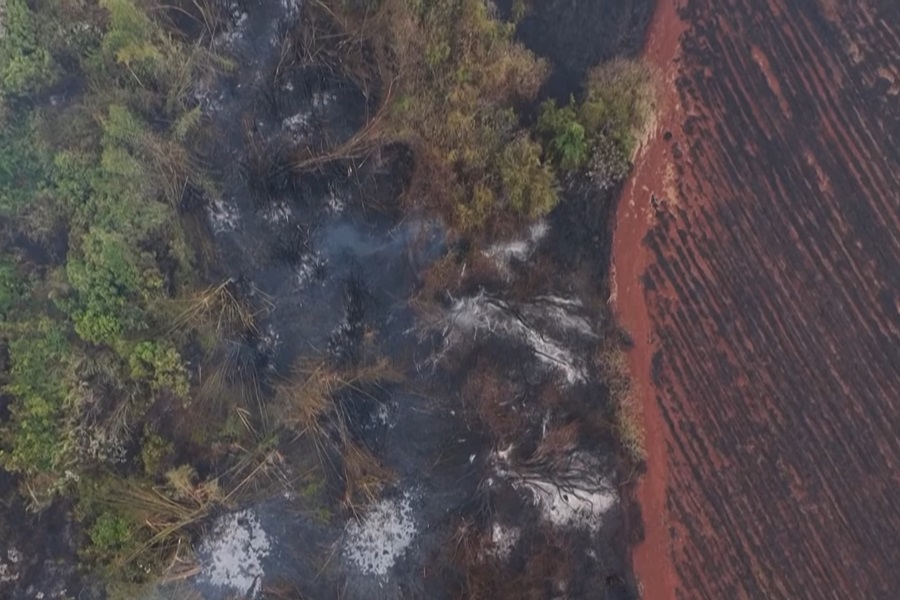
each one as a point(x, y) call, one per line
point(110, 284)
point(39, 356)
point(133, 40)
point(563, 136)
point(25, 65)
point(528, 183)
point(161, 365)
point(619, 103)
point(23, 167)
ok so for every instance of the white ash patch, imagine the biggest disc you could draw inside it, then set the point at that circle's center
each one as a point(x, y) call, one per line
point(503, 540)
point(8, 570)
point(306, 268)
point(239, 25)
point(570, 492)
point(336, 202)
point(291, 7)
point(382, 416)
point(233, 553)
point(559, 313)
point(505, 253)
point(321, 100)
point(269, 340)
point(576, 506)
point(299, 125)
point(207, 96)
point(540, 325)
point(277, 213)
point(374, 544)
point(223, 216)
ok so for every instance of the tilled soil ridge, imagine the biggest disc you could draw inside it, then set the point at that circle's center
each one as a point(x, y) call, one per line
point(757, 265)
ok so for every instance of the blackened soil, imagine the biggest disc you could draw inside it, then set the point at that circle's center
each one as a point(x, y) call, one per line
point(575, 35)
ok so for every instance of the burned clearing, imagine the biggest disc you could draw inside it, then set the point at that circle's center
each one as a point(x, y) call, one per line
point(388, 367)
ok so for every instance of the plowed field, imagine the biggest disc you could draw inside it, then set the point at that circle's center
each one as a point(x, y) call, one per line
point(757, 258)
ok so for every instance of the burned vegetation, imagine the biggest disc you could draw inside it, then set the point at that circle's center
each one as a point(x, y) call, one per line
point(315, 285)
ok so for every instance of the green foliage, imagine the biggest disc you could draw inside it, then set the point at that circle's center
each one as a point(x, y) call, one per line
point(155, 451)
point(528, 183)
point(110, 286)
point(101, 169)
point(161, 365)
point(601, 133)
point(121, 128)
point(563, 135)
point(23, 167)
point(111, 533)
point(132, 39)
point(12, 288)
point(25, 65)
point(456, 76)
point(39, 359)
point(94, 166)
point(186, 124)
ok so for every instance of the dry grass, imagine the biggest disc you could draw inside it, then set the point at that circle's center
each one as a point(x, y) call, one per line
point(166, 513)
point(612, 362)
point(221, 307)
point(494, 400)
point(346, 44)
point(170, 514)
point(281, 590)
point(549, 566)
point(230, 380)
point(364, 476)
point(310, 405)
point(311, 393)
point(307, 397)
point(260, 471)
point(470, 552)
point(558, 443)
point(454, 275)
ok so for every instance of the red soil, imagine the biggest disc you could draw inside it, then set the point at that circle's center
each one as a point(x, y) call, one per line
point(651, 558)
point(757, 266)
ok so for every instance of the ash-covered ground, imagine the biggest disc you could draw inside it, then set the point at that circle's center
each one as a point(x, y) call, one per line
point(533, 492)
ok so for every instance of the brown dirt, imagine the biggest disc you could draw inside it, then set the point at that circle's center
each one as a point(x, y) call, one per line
point(652, 560)
point(757, 252)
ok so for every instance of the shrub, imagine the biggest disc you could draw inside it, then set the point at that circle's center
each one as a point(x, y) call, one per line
point(154, 452)
point(25, 65)
point(109, 283)
point(110, 533)
point(620, 102)
point(563, 136)
point(39, 363)
point(12, 288)
point(528, 184)
point(23, 167)
point(160, 364)
point(132, 39)
point(600, 134)
point(452, 77)
point(612, 364)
